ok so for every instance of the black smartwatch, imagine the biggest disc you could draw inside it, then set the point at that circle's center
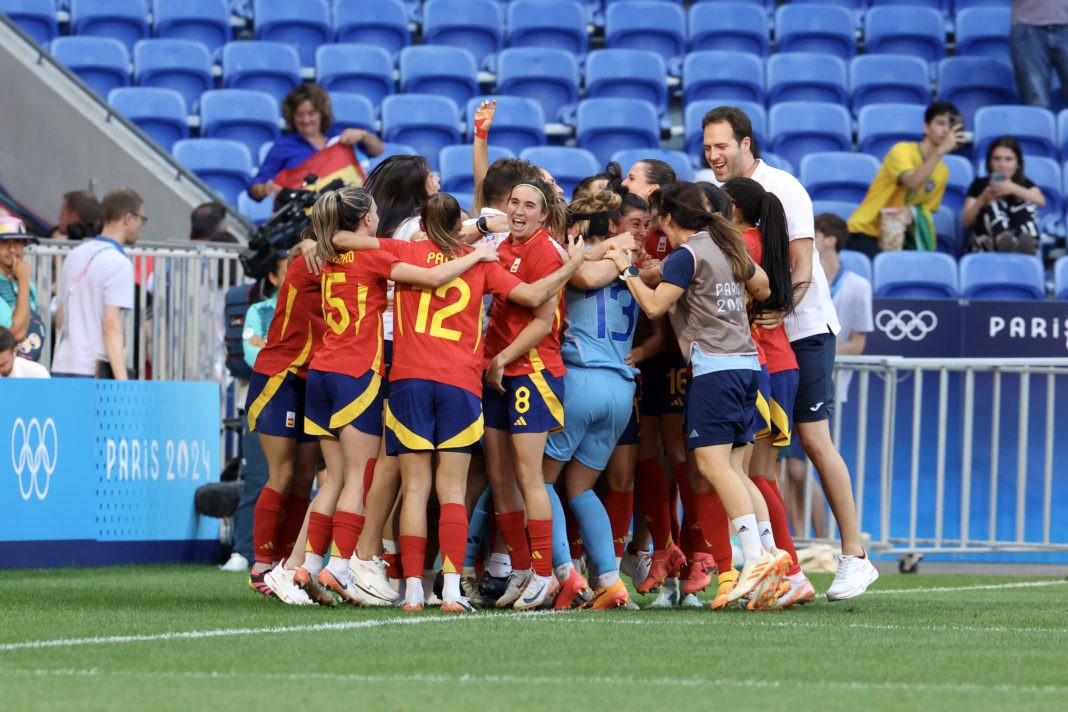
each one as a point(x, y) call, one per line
point(629, 272)
point(481, 225)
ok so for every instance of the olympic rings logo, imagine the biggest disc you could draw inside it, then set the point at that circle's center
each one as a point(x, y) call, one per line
point(914, 326)
point(34, 452)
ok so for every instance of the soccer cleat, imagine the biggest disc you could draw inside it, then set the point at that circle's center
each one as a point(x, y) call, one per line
point(852, 578)
point(492, 587)
point(280, 579)
point(668, 596)
point(691, 601)
point(534, 593)
point(575, 589)
point(430, 583)
point(666, 563)
point(636, 565)
point(257, 584)
point(517, 582)
point(797, 595)
point(344, 589)
point(755, 572)
point(726, 584)
point(699, 575)
point(371, 581)
point(459, 605)
point(613, 595)
point(236, 562)
point(766, 601)
point(631, 605)
point(767, 591)
point(316, 592)
point(413, 606)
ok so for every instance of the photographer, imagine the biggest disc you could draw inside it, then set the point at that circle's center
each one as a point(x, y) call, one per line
point(1001, 207)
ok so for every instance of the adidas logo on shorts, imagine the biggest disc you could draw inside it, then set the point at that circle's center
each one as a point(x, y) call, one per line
point(520, 421)
point(694, 434)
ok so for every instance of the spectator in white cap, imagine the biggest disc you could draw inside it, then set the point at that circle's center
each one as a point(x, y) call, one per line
point(18, 297)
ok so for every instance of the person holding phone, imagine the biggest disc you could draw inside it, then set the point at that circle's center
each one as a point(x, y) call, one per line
point(1002, 207)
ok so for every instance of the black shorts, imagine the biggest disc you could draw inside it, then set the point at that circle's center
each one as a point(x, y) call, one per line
point(815, 387)
point(664, 380)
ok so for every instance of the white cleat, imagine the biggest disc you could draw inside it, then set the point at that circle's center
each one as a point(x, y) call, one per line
point(517, 583)
point(636, 566)
point(852, 578)
point(370, 582)
point(280, 579)
point(534, 594)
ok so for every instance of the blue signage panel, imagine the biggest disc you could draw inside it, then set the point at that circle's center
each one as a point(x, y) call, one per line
point(1031, 329)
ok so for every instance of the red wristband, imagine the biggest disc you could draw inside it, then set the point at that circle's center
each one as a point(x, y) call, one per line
point(481, 133)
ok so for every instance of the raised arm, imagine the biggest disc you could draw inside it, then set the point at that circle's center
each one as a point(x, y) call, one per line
point(441, 274)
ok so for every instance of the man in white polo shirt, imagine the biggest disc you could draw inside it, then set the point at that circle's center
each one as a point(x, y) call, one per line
point(811, 327)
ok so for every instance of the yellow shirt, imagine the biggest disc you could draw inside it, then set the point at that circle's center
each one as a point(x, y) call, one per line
point(886, 191)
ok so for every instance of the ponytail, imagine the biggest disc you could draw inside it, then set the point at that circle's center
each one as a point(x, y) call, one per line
point(336, 210)
point(439, 216)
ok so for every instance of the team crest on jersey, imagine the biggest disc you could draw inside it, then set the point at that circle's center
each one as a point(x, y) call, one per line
point(662, 245)
point(515, 265)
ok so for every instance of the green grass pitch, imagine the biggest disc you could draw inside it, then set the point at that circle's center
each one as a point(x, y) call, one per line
point(193, 638)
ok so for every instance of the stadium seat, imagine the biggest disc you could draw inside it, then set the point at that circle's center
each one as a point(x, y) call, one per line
point(550, 24)
point(226, 166)
point(889, 79)
point(244, 115)
point(473, 25)
point(181, 65)
point(656, 26)
point(1046, 174)
point(355, 69)
point(1000, 275)
point(983, 32)
point(160, 113)
point(678, 160)
point(256, 212)
point(270, 67)
point(880, 126)
point(548, 76)
point(825, 29)
point(695, 114)
point(970, 83)
point(1060, 278)
point(604, 126)
point(466, 201)
point(949, 237)
point(916, 275)
point(203, 21)
point(1034, 127)
point(723, 76)
point(627, 74)
point(37, 18)
point(446, 71)
point(518, 123)
point(840, 208)
point(424, 121)
point(303, 26)
point(856, 262)
point(915, 31)
point(807, 76)
point(1062, 133)
point(122, 20)
point(728, 27)
point(383, 23)
point(457, 171)
point(389, 148)
point(569, 166)
point(961, 175)
point(799, 127)
point(101, 62)
point(776, 161)
point(838, 175)
point(353, 111)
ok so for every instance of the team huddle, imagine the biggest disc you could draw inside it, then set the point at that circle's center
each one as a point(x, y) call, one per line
point(501, 395)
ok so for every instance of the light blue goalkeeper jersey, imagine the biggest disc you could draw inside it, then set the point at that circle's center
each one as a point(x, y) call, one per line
point(600, 328)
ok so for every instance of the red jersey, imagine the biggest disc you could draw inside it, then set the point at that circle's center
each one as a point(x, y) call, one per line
point(772, 345)
point(531, 260)
point(437, 333)
point(354, 298)
point(297, 326)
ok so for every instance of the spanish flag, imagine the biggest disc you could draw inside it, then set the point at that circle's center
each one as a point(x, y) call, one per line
point(334, 161)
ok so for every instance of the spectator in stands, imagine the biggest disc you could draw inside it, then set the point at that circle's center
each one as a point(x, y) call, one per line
point(80, 216)
point(18, 296)
point(11, 364)
point(1002, 207)
point(309, 122)
point(96, 284)
point(912, 176)
point(1038, 43)
point(207, 224)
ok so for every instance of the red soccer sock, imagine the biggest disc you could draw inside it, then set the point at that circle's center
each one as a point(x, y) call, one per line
point(691, 540)
point(347, 528)
point(412, 551)
point(652, 490)
point(574, 538)
point(289, 529)
point(512, 526)
point(320, 531)
point(620, 508)
point(541, 546)
point(780, 525)
point(452, 537)
point(715, 528)
point(368, 478)
point(266, 521)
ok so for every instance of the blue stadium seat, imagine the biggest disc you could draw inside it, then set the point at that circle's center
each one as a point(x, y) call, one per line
point(181, 65)
point(551, 24)
point(569, 166)
point(838, 175)
point(949, 236)
point(676, 159)
point(457, 171)
point(840, 208)
point(390, 148)
point(1060, 278)
point(973, 82)
point(695, 114)
point(271, 67)
point(916, 31)
point(1000, 275)
point(518, 123)
point(800, 127)
point(728, 27)
point(424, 121)
point(604, 126)
point(807, 76)
point(776, 161)
point(160, 113)
point(244, 115)
point(122, 20)
point(353, 111)
point(1046, 174)
point(474, 25)
point(961, 175)
point(723, 76)
point(983, 32)
point(465, 200)
point(889, 79)
point(548, 76)
point(256, 212)
point(856, 262)
point(439, 69)
point(226, 166)
point(1034, 127)
point(383, 23)
point(1062, 133)
point(917, 275)
point(880, 126)
point(960, 5)
point(355, 69)
point(37, 18)
point(816, 28)
point(627, 74)
point(304, 25)
point(204, 21)
point(656, 26)
point(101, 62)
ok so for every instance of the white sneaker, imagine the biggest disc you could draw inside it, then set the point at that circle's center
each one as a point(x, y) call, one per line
point(668, 596)
point(636, 565)
point(535, 592)
point(280, 579)
point(691, 601)
point(371, 582)
point(852, 578)
point(517, 582)
point(236, 562)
